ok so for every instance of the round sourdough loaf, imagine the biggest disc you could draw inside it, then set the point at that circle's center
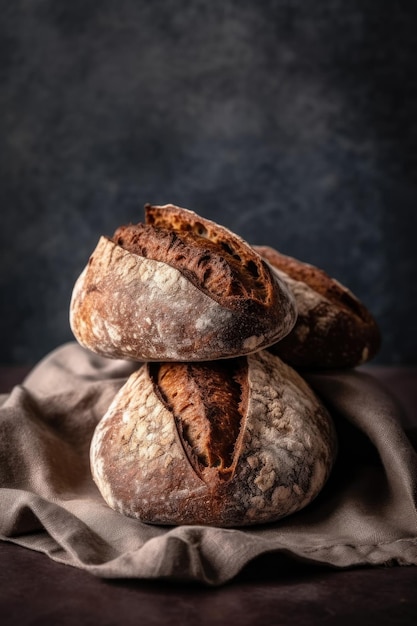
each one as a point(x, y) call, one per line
point(226, 443)
point(178, 288)
point(334, 329)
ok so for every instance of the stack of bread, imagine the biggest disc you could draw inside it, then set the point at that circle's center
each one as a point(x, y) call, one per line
point(217, 426)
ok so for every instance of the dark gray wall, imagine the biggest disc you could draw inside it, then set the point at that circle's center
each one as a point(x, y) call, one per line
point(292, 122)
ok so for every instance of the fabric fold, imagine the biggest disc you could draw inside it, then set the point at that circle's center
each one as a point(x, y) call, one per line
point(365, 515)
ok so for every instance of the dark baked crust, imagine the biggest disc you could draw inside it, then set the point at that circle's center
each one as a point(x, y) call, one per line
point(208, 402)
point(334, 329)
point(271, 455)
point(214, 269)
point(178, 288)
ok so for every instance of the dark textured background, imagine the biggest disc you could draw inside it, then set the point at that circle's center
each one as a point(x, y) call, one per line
point(292, 122)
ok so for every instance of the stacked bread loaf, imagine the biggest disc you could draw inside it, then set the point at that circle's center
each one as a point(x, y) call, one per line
point(217, 426)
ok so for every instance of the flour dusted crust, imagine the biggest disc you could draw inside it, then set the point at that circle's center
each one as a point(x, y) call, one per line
point(148, 465)
point(178, 288)
point(333, 328)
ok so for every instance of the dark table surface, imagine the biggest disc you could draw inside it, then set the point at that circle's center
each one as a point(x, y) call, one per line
point(36, 590)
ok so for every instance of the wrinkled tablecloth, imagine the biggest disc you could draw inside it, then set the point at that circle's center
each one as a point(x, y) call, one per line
point(365, 515)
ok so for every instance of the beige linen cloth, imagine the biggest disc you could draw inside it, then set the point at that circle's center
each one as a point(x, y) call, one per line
point(365, 515)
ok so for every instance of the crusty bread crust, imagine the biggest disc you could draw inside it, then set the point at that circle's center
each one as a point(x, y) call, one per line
point(148, 466)
point(207, 401)
point(334, 329)
point(182, 288)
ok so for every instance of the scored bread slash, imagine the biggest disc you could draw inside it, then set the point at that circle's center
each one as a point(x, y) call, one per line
point(334, 329)
point(178, 287)
point(225, 443)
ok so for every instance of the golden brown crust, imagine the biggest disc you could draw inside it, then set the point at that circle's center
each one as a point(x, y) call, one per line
point(155, 294)
point(213, 269)
point(250, 273)
point(208, 401)
point(279, 447)
point(334, 329)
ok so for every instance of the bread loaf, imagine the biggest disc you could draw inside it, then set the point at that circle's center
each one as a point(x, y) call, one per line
point(334, 329)
point(178, 288)
point(228, 443)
